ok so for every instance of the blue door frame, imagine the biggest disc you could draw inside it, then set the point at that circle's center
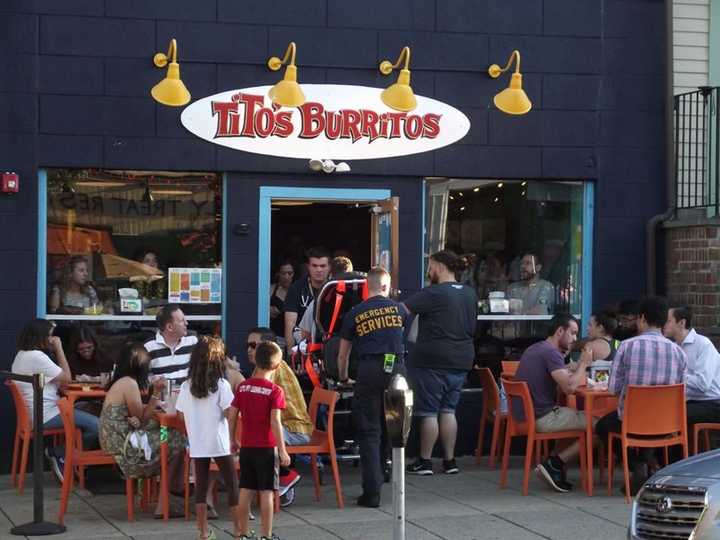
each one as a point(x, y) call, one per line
point(587, 252)
point(267, 194)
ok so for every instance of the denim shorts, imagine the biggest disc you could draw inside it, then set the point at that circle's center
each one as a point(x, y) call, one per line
point(435, 390)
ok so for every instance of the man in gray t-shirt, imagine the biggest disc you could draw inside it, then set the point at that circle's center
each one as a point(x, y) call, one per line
point(542, 367)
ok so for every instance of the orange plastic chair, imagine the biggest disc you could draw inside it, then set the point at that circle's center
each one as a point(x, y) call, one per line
point(322, 442)
point(490, 412)
point(75, 456)
point(653, 417)
point(24, 433)
point(518, 390)
point(510, 367)
point(707, 427)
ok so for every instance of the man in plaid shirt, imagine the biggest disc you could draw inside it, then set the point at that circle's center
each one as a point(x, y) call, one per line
point(649, 359)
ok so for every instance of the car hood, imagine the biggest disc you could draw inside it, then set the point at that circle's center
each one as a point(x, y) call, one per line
point(706, 465)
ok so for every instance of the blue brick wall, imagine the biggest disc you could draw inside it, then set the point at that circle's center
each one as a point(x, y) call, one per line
point(75, 77)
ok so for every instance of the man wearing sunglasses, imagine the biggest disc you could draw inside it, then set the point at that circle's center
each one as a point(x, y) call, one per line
point(297, 426)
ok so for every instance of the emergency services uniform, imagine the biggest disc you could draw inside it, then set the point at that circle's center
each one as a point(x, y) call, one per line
point(375, 328)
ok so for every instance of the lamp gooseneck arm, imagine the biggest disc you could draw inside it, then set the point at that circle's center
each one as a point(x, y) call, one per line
point(514, 55)
point(406, 54)
point(290, 53)
point(172, 51)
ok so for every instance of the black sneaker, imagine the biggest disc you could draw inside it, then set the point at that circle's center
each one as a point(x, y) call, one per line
point(56, 463)
point(287, 498)
point(421, 467)
point(368, 501)
point(553, 476)
point(450, 467)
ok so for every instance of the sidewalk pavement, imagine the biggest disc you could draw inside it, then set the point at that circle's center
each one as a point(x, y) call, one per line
point(464, 506)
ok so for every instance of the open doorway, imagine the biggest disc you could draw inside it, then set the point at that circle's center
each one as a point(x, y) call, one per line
point(362, 221)
point(342, 228)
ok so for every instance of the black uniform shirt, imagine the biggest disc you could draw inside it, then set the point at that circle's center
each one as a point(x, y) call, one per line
point(299, 296)
point(376, 327)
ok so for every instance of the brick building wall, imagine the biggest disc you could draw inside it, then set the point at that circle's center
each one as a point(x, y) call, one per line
point(693, 271)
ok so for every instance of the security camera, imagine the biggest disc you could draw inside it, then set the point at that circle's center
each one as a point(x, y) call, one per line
point(342, 167)
point(328, 165)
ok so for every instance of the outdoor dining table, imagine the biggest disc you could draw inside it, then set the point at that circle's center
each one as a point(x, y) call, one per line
point(167, 421)
point(76, 391)
point(598, 403)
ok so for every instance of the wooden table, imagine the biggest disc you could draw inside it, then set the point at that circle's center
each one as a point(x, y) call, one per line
point(598, 403)
point(73, 392)
point(167, 421)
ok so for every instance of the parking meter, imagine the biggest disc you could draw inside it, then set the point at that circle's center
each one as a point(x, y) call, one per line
point(398, 418)
point(398, 411)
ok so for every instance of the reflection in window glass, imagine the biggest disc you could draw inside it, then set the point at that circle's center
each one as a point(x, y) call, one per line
point(524, 240)
point(116, 238)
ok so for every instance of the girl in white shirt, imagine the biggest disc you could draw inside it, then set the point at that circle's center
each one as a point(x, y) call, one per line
point(204, 402)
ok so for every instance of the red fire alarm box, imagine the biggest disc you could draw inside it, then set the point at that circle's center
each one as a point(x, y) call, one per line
point(10, 182)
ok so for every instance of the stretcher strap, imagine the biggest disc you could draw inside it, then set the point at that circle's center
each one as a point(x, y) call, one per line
point(314, 378)
point(339, 293)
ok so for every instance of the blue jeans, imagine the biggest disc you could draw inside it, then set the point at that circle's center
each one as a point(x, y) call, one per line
point(85, 422)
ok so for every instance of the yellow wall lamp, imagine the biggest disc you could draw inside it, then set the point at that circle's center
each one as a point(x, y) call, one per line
point(512, 100)
point(399, 96)
point(287, 92)
point(171, 90)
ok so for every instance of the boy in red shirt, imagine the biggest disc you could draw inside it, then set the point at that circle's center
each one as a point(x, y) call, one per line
point(259, 402)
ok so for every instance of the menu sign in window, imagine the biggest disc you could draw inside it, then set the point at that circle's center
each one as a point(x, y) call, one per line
point(194, 285)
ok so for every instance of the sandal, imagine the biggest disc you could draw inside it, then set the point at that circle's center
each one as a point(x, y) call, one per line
point(210, 536)
point(211, 513)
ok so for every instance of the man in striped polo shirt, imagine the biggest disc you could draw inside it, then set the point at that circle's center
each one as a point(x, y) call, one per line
point(170, 349)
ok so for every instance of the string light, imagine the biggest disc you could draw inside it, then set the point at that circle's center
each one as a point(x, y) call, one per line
point(523, 183)
point(497, 199)
point(462, 208)
point(500, 184)
point(476, 189)
point(461, 193)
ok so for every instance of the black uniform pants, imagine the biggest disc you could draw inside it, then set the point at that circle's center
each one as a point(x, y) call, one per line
point(369, 412)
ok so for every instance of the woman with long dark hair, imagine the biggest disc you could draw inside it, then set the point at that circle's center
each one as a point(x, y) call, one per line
point(123, 411)
point(85, 354)
point(40, 352)
point(75, 293)
point(204, 402)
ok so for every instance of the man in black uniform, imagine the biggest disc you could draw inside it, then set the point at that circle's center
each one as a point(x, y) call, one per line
point(304, 291)
point(375, 329)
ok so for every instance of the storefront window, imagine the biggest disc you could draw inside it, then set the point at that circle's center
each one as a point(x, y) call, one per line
point(524, 242)
point(121, 244)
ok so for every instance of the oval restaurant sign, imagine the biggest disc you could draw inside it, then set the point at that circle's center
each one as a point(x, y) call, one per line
point(335, 122)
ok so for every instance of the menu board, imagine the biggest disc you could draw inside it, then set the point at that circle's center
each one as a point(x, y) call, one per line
point(194, 285)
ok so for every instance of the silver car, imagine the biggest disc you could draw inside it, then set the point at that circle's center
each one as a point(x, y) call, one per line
point(681, 501)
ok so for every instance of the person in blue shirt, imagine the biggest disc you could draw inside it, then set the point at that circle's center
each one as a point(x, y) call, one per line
point(374, 329)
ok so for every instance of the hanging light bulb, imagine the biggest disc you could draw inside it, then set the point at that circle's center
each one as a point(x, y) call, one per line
point(147, 195)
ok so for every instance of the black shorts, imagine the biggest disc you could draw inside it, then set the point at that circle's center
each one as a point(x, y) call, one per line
point(259, 469)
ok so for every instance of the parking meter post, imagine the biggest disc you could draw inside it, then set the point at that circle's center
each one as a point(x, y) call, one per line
point(398, 457)
point(38, 526)
point(398, 416)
